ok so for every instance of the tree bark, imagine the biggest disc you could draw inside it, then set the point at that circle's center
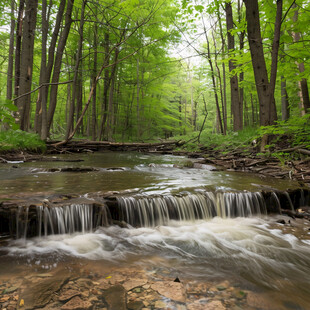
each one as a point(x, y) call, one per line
point(236, 106)
point(214, 85)
point(265, 97)
point(106, 83)
point(23, 103)
point(303, 85)
point(41, 122)
point(223, 88)
point(9, 84)
point(274, 60)
point(18, 44)
point(75, 86)
point(284, 101)
point(94, 110)
point(241, 75)
point(111, 96)
point(58, 61)
point(138, 99)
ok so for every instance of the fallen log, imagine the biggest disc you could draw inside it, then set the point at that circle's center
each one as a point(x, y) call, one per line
point(81, 145)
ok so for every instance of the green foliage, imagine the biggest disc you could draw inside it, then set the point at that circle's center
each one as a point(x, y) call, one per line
point(233, 140)
point(6, 114)
point(14, 140)
point(296, 130)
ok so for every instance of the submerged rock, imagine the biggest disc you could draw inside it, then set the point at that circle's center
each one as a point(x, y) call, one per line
point(132, 283)
point(281, 222)
point(260, 301)
point(171, 290)
point(159, 304)
point(115, 296)
point(135, 305)
point(67, 295)
point(76, 303)
point(40, 294)
point(72, 169)
point(203, 305)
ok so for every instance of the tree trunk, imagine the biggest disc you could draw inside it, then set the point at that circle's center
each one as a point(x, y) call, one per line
point(58, 61)
point(241, 75)
point(19, 33)
point(258, 63)
point(111, 97)
point(106, 83)
point(214, 86)
point(41, 122)
point(94, 112)
point(138, 100)
point(23, 103)
point(223, 89)
point(303, 85)
point(219, 80)
point(9, 84)
point(274, 60)
point(75, 85)
point(284, 101)
point(236, 106)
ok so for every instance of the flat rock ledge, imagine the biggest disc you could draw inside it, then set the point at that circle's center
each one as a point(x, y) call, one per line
point(127, 288)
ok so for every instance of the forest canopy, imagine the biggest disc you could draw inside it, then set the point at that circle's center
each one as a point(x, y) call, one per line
point(142, 70)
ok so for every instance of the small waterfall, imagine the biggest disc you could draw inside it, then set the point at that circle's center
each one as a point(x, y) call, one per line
point(153, 211)
point(146, 211)
point(63, 219)
point(22, 220)
point(275, 197)
point(289, 201)
point(71, 218)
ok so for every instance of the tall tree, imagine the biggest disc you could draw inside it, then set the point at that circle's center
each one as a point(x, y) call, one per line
point(9, 85)
point(303, 84)
point(18, 45)
point(58, 62)
point(75, 86)
point(265, 90)
point(236, 104)
point(23, 103)
point(47, 64)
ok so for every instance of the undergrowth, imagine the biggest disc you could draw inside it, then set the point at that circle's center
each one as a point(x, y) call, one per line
point(295, 132)
point(292, 133)
point(18, 140)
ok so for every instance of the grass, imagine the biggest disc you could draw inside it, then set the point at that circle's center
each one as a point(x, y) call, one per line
point(233, 140)
point(18, 140)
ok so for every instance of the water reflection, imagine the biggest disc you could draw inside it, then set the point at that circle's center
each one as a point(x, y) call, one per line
point(151, 173)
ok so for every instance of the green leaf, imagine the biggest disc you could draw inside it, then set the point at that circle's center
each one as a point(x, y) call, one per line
point(199, 8)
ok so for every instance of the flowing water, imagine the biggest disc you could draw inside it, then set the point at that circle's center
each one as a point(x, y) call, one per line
point(194, 224)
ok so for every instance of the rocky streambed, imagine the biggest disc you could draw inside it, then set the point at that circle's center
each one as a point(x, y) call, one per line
point(93, 285)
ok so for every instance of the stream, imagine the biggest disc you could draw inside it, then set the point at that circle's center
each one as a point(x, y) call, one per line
point(183, 257)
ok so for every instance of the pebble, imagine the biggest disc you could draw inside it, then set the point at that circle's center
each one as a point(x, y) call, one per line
point(76, 303)
point(160, 304)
